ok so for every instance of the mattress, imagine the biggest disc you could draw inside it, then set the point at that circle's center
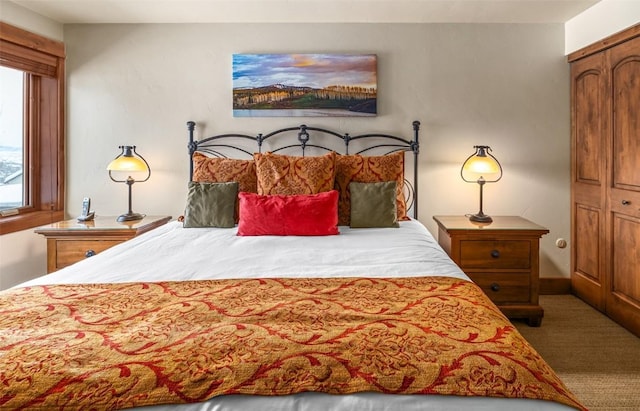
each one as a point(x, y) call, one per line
point(173, 253)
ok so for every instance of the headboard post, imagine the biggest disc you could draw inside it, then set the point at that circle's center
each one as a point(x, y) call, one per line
point(415, 147)
point(347, 139)
point(193, 146)
point(303, 137)
point(259, 140)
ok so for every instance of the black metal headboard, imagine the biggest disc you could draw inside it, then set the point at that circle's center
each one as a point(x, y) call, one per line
point(308, 139)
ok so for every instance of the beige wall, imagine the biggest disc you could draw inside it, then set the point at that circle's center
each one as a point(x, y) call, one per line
point(502, 85)
point(599, 21)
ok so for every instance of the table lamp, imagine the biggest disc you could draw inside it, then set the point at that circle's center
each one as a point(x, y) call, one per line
point(481, 167)
point(129, 161)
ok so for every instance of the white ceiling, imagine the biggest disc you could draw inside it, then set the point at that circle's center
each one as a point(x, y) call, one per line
point(277, 11)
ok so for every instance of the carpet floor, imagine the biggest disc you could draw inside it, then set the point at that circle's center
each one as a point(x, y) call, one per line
point(598, 360)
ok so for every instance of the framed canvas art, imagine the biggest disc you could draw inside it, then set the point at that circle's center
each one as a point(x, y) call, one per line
point(304, 85)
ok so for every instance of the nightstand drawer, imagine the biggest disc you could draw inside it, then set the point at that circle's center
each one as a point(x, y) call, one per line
point(71, 251)
point(504, 287)
point(500, 254)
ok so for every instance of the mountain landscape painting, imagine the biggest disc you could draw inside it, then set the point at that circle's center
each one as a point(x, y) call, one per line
point(304, 85)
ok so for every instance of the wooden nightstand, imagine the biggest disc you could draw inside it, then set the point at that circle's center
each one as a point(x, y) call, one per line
point(501, 257)
point(71, 241)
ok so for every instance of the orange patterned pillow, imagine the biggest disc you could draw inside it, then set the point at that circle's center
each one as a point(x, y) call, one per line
point(224, 170)
point(291, 175)
point(369, 169)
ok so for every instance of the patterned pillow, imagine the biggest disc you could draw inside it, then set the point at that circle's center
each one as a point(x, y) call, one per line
point(291, 175)
point(369, 169)
point(224, 170)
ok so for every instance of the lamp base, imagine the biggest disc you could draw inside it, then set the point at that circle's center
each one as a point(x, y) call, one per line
point(480, 218)
point(130, 217)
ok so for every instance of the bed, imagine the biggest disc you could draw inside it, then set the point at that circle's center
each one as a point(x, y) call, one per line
point(270, 308)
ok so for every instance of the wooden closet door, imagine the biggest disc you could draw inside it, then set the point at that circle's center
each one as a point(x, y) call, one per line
point(623, 299)
point(590, 122)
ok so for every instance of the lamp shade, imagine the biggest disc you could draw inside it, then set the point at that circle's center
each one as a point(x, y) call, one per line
point(481, 164)
point(127, 162)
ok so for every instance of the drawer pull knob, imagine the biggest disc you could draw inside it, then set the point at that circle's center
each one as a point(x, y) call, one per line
point(495, 287)
point(495, 254)
point(626, 202)
point(89, 253)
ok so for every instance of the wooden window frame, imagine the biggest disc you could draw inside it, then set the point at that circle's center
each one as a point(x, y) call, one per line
point(43, 61)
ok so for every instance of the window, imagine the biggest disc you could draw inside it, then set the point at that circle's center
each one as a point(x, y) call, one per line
point(11, 138)
point(31, 129)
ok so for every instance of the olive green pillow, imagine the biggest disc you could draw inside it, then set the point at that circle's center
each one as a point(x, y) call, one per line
point(211, 205)
point(373, 204)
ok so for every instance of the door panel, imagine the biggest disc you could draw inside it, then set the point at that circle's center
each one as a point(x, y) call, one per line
point(589, 95)
point(623, 296)
point(588, 227)
point(623, 303)
point(587, 276)
point(626, 258)
point(625, 79)
point(589, 128)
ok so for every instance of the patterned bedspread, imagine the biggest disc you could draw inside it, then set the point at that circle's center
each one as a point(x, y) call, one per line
point(111, 346)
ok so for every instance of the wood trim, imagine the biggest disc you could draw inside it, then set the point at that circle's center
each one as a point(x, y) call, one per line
point(555, 286)
point(32, 41)
point(29, 220)
point(44, 125)
point(49, 132)
point(59, 143)
point(33, 61)
point(605, 43)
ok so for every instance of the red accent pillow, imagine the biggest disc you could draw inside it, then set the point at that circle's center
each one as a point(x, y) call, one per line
point(305, 214)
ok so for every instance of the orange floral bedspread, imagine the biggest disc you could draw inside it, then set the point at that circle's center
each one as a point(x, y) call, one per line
point(111, 346)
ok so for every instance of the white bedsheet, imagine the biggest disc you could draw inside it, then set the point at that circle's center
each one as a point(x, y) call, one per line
point(172, 252)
